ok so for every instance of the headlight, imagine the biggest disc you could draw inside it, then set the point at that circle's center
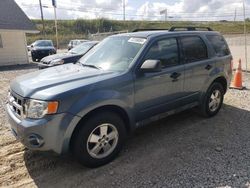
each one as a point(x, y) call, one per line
point(36, 109)
point(57, 62)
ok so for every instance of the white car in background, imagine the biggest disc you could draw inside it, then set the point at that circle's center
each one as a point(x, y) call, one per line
point(74, 43)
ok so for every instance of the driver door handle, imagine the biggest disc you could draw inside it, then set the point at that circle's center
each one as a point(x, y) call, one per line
point(175, 76)
point(208, 67)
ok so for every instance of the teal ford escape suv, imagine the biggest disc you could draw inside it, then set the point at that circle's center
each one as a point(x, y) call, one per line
point(124, 82)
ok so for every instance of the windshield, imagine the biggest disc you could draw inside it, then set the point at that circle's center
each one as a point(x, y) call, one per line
point(43, 43)
point(82, 48)
point(75, 42)
point(114, 53)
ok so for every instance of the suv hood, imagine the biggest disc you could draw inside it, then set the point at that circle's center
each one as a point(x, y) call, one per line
point(57, 56)
point(47, 83)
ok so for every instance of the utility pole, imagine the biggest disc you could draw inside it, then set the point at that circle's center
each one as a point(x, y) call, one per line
point(54, 5)
point(245, 32)
point(235, 13)
point(41, 9)
point(124, 13)
point(166, 15)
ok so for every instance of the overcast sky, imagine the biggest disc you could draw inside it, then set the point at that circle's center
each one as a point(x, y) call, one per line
point(139, 9)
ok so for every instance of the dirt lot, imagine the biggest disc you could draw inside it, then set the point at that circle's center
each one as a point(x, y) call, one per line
point(184, 150)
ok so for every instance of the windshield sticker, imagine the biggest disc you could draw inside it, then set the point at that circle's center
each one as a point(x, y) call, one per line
point(137, 40)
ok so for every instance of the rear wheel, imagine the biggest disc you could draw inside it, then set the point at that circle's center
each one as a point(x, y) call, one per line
point(99, 140)
point(213, 100)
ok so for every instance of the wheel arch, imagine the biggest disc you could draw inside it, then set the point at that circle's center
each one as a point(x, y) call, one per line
point(219, 79)
point(222, 80)
point(111, 108)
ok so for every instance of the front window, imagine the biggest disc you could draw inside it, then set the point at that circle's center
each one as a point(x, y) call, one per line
point(114, 53)
point(76, 42)
point(43, 43)
point(165, 50)
point(82, 48)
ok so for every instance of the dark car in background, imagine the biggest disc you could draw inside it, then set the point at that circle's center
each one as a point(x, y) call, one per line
point(74, 43)
point(71, 56)
point(41, 48)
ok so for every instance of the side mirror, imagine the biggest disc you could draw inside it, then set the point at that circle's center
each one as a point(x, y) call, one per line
point(151, 66)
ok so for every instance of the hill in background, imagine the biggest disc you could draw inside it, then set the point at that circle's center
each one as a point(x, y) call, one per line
point(79, 29)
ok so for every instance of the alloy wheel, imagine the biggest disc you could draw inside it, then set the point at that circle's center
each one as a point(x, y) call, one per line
point(102, 141)
point(215, 100)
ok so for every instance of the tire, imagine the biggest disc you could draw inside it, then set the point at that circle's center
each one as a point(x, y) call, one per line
point(209, 108)
point(85, 147)
point(33, 58)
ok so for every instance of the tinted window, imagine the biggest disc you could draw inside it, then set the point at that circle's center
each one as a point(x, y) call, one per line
point(43, 43)
point(219, 45)
point(165, 50)
point(194, 48)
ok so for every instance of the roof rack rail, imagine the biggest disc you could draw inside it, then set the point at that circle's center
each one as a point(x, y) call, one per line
point(189, 28)
point(137, 30)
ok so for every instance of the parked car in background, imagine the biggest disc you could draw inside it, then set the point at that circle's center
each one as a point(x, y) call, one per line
point(29, 47)
point(71, 56)
point(74, 43)
point(41, 48)
point(126, 81)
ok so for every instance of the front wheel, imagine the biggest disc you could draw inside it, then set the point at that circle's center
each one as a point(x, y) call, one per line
point(99, 140)
point(212, 100)
point(33, 58)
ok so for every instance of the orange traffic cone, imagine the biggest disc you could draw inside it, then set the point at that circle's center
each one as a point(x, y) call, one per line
point(237, 80)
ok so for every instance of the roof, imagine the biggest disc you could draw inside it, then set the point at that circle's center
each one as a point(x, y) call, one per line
point(153, 33)
point(144, 34)
point(13, 18)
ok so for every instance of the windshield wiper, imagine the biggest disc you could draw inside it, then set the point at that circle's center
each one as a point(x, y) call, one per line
point(92, 66)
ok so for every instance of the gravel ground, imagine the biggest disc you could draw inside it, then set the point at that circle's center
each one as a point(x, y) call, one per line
point(184, 150)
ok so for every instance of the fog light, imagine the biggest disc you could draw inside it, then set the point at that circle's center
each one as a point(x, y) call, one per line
point(35, 141)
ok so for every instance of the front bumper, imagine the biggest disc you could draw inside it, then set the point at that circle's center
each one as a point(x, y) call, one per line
point(39, 54)
point(50, 131)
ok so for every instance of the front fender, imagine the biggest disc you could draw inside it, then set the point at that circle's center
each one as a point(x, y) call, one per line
point(101, 98)
point(96, 100)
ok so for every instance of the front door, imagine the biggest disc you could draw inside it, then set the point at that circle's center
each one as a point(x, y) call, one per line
point(158, 92)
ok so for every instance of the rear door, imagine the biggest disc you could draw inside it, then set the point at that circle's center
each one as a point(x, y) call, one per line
point(198, 65)
point(158, 92)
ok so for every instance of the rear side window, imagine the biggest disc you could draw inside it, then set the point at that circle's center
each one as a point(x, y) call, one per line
point(165, 50)
point(219, 44)
point(194, 49)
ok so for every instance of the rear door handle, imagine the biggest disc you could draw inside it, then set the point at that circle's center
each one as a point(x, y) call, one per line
point(208, 67)
point(175, 76)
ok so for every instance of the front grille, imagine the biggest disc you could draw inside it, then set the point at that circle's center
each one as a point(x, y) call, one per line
point(16, 103)
point(43, 52)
